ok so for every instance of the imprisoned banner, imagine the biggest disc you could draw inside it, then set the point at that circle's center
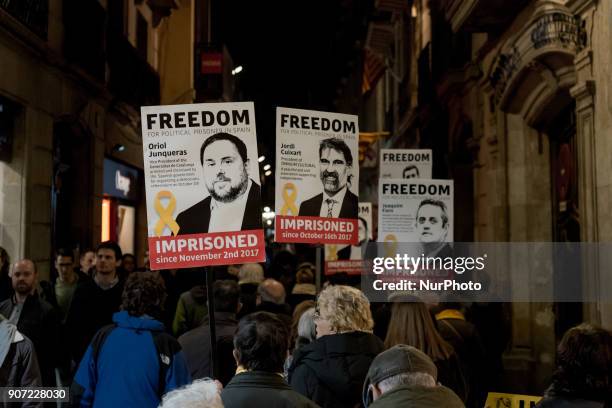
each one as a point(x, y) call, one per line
point(348, 258)
point(406, 163)
point(202, 185)
point(317, 177)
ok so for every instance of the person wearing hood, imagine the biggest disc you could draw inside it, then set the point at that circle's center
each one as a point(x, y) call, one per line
point(191, 310)
point(133, 362)
point(18, 362)
point(196, 342)
point(404, 376)
point(331, 370)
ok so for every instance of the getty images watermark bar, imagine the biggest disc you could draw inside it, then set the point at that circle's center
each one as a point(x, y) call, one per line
point(488, 272)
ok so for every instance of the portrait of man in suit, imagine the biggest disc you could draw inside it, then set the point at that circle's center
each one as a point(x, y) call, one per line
point(432, 227)
point(233, 201)
point(410, 171)
point(335, 172)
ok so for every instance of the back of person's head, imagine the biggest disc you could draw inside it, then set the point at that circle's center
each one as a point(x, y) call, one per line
point(397, 366)
point(227, 295)
point(584, 364)
point(251, 273)
point(304, 275)
point(306, 327)
point(112, 245)
point(345, 308)
point(202, 393)
point(412, 324)
point(261, 342)
point(271, 290)
point(144, 294)
point(299, 310)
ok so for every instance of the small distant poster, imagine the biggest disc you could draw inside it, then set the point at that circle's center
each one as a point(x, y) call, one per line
point(349, 258)
point(202, 185)
point(317, 177)
point(406, 163)
point(416, 211)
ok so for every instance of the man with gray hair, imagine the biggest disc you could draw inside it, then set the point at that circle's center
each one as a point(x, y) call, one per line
point(271, 297)
point(404, 376)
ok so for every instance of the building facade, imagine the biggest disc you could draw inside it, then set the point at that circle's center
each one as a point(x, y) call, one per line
point(73, 76)
point(513, 98)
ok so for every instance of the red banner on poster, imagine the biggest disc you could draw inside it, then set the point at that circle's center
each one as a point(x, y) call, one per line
point(316, 230)
point(351, 267)
point(219, 248)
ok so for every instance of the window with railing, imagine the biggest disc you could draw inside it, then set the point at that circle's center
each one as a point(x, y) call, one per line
point(34, 14)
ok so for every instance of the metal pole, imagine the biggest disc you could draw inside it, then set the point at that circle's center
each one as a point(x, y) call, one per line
point(210, 278)
point(318, 266)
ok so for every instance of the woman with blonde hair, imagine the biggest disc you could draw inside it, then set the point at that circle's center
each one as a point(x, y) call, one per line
point(331, 370)
point(412, 324)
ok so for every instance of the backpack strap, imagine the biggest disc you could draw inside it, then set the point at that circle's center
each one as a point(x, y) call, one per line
point(166, 347)
point(98, 341)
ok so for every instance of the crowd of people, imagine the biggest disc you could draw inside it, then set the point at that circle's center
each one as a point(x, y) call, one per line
point(119, 335)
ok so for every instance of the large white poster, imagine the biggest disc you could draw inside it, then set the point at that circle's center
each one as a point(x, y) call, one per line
point(416, 211)
point(202, 185)
point(317, 177)
point(406, 163)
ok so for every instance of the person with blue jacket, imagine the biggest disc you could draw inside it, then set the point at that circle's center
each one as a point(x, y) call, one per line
point(133, 362)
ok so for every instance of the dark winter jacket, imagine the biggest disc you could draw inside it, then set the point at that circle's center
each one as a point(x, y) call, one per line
point(196, 347)
point(331, 370)
point(39, 321)
point(191, 310)
point(126, 371)
point(464, 338)
point(418, 396)
point(91, 309)
point(262, 389)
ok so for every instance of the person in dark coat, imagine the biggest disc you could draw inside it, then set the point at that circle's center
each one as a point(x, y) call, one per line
point(260, 348)
point(582, 378)
point(196, 342)
point(34, 317)
point(331, 370)
point(464, 338)
point(404, 376)
point(95, 301)
point(412, 324)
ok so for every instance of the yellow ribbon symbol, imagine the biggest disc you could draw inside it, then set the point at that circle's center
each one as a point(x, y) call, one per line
point(289, 199)
point(332, 251)
point(165, 214)
point(390, 245)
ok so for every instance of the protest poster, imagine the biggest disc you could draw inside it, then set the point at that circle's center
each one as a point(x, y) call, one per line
point(406, 163)
point(202, 185)
point(348, 258)
point(317, 177)
point(416, 211)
